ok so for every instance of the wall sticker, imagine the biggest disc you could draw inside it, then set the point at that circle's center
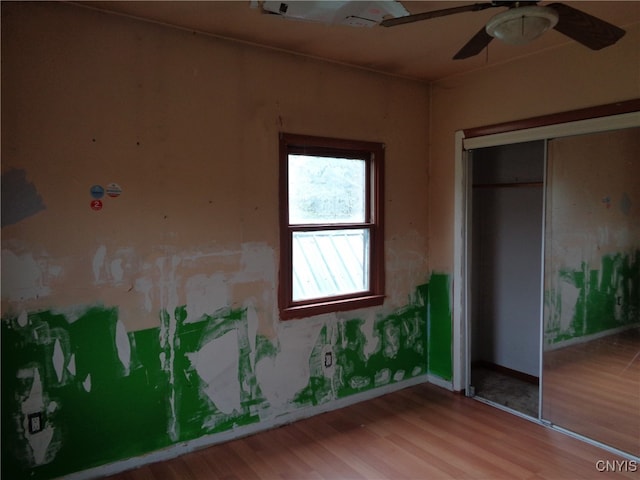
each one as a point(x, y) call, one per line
point(114, 190)
point(97, 191)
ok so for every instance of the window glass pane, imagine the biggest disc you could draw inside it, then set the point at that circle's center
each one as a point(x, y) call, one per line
point(326, 190)
point(330, 262)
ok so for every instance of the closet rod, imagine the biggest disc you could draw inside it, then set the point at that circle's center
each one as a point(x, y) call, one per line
point(508, 185)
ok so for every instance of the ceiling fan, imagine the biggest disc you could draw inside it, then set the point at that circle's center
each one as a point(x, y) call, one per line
point(523, 22)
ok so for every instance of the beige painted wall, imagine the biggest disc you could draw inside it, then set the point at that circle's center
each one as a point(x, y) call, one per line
point(188, 126)
point(592, 199)
point(561, 79)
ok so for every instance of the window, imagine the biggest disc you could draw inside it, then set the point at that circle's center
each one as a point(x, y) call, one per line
point(331, 225)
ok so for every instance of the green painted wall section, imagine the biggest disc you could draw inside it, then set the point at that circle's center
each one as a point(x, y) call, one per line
point(105, 398)
point(196, 414)
point(97, 413)
point(607, 298)
point(440, 326)
point(400, 354)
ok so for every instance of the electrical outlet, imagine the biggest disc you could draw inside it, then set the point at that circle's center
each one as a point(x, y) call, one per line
point(328, 359)
point(35, 422)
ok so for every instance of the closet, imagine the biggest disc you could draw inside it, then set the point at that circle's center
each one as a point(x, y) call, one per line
point(547, 282)
point(506, 268)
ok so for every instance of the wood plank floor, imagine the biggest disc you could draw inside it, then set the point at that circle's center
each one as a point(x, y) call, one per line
point(422, 432)
point(594, 389)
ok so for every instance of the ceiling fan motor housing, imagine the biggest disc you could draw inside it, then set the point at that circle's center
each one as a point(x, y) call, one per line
point(521, 25)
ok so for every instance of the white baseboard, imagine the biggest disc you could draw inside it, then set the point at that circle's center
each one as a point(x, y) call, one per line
point(440, 382)
point(588, 338)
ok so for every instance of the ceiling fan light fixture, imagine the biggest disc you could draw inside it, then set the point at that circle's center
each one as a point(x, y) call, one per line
point(521, 25)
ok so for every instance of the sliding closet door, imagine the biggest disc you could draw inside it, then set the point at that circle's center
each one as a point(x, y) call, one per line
point(591, 345)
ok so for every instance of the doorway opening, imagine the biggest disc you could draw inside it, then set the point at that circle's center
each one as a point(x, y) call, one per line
point(505, 257)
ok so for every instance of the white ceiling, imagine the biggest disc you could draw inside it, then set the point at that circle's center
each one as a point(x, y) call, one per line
point(421, 50)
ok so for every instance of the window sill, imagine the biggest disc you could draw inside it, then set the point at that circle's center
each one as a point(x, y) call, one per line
point(300, 311)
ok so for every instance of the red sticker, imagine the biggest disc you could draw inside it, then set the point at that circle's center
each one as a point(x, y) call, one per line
point(96, 204)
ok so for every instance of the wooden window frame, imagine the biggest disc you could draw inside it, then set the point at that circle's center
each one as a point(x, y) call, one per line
point(373, 154)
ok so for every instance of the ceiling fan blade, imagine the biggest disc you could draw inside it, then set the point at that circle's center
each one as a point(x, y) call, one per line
point(474, 46)
point(586, 29)
point(475, 7)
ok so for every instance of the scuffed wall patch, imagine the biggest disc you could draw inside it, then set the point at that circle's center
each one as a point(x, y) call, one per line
point(20, 199)
point(29, 276)
point(217, 366)
point(215, 386)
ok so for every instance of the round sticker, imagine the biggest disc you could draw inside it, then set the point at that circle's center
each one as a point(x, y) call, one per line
point(114, 190)
point(96, 205)
point(97, 191)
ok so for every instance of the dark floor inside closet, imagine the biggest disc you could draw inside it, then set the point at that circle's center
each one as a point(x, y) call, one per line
point(505, 389)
